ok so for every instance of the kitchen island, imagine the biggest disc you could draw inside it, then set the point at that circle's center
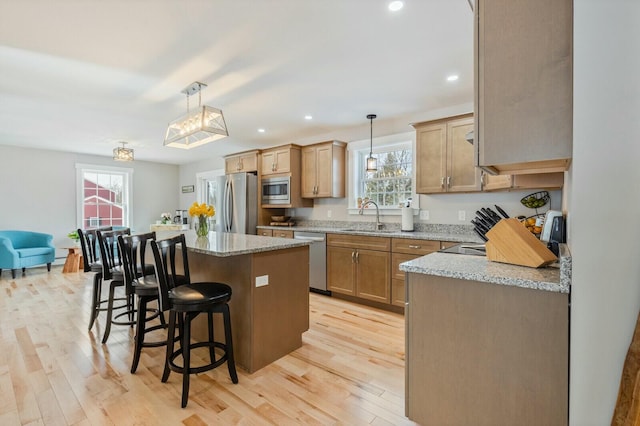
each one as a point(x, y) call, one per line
point(269, 278)
point(486, 343)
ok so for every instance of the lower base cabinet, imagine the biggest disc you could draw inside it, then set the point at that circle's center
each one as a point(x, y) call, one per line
point(356, 270)
point(485, 354)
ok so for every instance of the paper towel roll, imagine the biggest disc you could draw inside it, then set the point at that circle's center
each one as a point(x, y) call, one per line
point(407, 219)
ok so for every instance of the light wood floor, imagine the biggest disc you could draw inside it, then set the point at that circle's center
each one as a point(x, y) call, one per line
point(350, 369)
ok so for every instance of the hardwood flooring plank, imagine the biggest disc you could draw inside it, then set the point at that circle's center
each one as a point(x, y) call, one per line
point(349, 370)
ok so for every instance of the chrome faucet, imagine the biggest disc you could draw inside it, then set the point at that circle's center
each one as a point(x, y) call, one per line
point(378, 224)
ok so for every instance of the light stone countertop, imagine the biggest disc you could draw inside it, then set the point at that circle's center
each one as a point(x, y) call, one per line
point(433, 232)
point(223, 244)
point(556, 278)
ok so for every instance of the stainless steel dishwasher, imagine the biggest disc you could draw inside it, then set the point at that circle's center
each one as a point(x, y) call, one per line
point(317, 259)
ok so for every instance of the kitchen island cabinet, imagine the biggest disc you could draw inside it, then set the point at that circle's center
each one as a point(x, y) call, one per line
point(269, 278)
point(486, 343)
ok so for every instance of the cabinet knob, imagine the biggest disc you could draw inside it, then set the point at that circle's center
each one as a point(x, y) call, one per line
point(357, 257)
point(448, 181)
point(414, 247)
point(442, 182)
point(353, 257)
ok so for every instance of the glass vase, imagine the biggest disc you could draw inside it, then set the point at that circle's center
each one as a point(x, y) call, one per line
point(202, 227)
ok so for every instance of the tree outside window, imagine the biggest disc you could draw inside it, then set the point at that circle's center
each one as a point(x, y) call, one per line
point(392, 184)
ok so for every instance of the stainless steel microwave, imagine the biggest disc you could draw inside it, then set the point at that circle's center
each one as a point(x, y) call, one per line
point(276, 190)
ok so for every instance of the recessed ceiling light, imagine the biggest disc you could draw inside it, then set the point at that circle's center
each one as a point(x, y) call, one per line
point(261, 130)
point(308, 117)
point(395, 6)
point(453, 77)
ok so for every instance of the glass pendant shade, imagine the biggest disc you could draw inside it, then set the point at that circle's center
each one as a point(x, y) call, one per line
point(122, 153)
point(202, 125)
point(372, 164)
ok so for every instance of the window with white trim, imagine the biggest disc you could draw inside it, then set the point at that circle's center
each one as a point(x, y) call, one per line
point(103, 196)
point(392, 183)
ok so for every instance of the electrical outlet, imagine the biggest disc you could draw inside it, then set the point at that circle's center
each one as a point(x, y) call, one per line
point(462, 215)
point(262, 280)
point(424, 214)
point(329, 212)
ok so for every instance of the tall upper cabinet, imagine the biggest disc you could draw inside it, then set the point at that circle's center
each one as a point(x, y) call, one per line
point(444, 158)
point(523, 85)
point(323, 170)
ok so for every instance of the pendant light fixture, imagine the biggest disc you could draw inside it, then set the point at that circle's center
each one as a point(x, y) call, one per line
point(195, 128)
point(372, 163)
point(122, 153)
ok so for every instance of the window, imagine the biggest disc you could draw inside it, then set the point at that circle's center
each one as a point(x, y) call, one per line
point(392, 183)
point(103, 196)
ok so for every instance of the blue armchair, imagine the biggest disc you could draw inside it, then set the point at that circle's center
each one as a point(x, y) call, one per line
point(19, 249)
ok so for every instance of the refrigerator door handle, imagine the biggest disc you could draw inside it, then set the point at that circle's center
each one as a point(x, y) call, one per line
point(225, 212)
point(230, 205)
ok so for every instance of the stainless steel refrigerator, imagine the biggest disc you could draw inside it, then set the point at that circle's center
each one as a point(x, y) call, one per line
point(237, 203)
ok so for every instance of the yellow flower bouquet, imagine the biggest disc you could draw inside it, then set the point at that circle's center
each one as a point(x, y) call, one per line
point(202, 211)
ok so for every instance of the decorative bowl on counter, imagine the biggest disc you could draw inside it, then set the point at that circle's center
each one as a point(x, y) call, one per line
point(280, 218)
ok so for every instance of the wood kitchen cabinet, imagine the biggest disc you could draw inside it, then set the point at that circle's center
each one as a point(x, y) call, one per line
point(404, 250)
point(241, 162)
point(278, 160)
point(282, 233)
point(359, 266)
point(265, 232)
point(323, 170)
point(444, 158)
point(523, 97)
point(526, 181)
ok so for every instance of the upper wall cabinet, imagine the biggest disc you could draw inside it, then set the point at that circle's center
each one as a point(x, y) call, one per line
point(323, 170)
point(523, 85)
point(241, 162)
point(444, 158)
point(277, 160)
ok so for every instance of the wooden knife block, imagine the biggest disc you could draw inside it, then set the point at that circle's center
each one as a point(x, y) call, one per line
point(510, 242)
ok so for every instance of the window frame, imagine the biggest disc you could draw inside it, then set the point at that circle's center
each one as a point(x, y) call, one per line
point(355, 150)
point(127, 198)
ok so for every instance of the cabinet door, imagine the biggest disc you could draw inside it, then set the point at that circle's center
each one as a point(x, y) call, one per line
point(524, 87)
point(249, 162)
point(268, 163)
point(308, 172)
point(324, 171)
point(397, 277)
point(232, 164)
point(373, 275)
point(462, 174)
point(341, 270)
point(431, 158)
point(283, 161)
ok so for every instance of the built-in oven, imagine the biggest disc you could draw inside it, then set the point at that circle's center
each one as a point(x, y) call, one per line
point(276, 190)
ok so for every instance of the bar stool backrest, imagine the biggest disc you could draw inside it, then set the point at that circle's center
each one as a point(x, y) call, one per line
point(89, 245)
point(164, 254)
point(133, 255)
point(109, 254)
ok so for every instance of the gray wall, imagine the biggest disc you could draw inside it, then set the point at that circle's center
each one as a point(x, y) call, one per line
point(38, 191)
point(604, 203)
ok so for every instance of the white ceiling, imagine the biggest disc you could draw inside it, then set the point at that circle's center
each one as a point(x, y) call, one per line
point(82, 75)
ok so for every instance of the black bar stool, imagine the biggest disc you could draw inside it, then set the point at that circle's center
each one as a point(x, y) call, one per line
point(185, 302)
point(90, 254)
point(112, 271)
point(141, 281)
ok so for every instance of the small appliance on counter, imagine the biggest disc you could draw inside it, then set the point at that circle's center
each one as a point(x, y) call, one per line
point(553, 230)
point(407, 217)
